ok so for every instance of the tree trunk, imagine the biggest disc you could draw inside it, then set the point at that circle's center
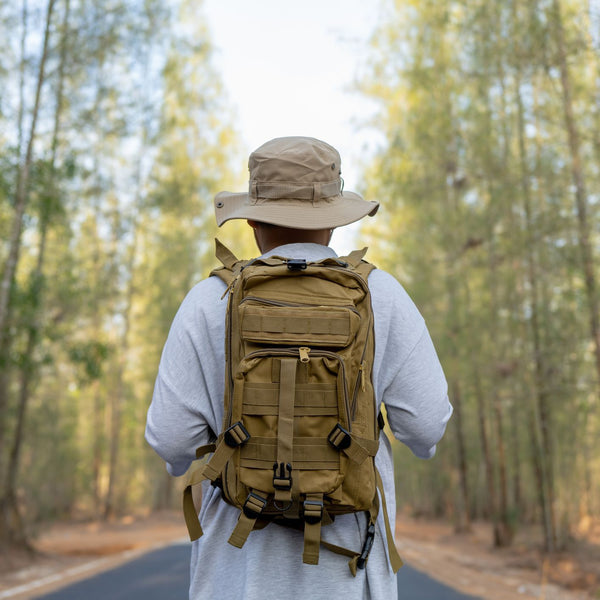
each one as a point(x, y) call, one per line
point(11, 526)
point(117, 398)
point(28, 368)
point(542, 399)
point(22, 191)
point(581, 199)
point(485, 448)
point(463, 518)
point(503, 530)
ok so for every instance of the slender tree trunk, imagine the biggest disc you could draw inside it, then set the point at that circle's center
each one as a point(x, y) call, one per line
point(22, 191)
point(579, 183)
point(503, 531)
point(485, 448)
point(542, 397)
point(464, 519)
point(586, 246)
point(28, 369)
point(5, 340)
point(118, 397)
point(98, 421)
point(11, 526)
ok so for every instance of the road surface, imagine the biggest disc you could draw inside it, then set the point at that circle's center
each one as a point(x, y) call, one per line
point(163, 575)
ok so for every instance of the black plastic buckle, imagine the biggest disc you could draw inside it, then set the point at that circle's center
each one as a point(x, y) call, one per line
point(296, 264)
point(313, 511)
point(253, 506)
point(366, 549)
point(236, 435)
point(339, 438)
point(281, 481)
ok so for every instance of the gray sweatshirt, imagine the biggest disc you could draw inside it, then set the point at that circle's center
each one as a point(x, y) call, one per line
point(187, 407)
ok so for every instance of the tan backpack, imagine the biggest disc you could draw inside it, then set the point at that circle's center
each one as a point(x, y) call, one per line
point(300, 429)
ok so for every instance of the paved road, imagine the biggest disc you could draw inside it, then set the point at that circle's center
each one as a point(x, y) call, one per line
point(163, 575)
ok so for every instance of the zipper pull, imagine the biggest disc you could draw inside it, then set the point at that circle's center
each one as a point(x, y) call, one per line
point(230, 286)
point(362, 369)
point(304, 352)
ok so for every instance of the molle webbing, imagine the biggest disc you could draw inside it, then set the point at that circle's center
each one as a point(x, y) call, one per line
point(282, 476)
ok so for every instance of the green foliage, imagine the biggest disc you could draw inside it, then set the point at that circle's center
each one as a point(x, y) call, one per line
point(90, 357)
point(476, 179)
point(133, 141)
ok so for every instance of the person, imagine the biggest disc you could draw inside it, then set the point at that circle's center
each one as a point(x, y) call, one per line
point(294, 202)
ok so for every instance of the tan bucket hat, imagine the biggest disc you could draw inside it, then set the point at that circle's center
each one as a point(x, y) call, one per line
point(295, 182)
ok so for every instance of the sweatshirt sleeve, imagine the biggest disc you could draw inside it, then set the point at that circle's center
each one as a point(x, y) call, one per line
point(409, 380)
point(182, 414)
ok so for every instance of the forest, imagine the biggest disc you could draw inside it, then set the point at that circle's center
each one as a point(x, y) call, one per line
point(115, 134)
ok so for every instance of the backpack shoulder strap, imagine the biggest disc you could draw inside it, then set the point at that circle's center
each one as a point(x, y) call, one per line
point(355, 260)
point(355, 257)
point(231, 264)
point(225, 255)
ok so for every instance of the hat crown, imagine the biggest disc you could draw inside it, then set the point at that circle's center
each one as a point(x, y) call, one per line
point(302, 160)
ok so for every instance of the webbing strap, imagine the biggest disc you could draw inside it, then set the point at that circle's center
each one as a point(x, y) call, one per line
point(361, 448)
point(189, 510)
point(255, 503)
point(260, 322)
point(241, 531)
point(218, 460)
point(354, 258)
point(226, 256)
point(202, 450)
point(312, 533)
point(394, 557)
point(285, 422)
point(198, 475)
point(352, 563)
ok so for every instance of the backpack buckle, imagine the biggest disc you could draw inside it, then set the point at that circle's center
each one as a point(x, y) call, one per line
point(296, 264)
point(281, 481)
point(254, 505)
point(366, 549)
point(236, 435)
point(313, 511)
point(339, 438)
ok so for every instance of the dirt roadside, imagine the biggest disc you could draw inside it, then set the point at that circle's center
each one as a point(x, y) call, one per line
point(72, 551)
point(68, 552)
point(468, 562)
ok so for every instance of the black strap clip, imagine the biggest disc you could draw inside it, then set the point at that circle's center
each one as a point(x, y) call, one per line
point(281, 481)
point(339, 438)
point(254, 505)
point(296, 264)
point(236, 435)
point(366, 549)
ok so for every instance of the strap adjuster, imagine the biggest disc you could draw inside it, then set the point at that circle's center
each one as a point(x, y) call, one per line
point(236, 435)
point(339, 438)
point(281, 481)
point(254, 505)
point(313, 511)
point(366, 549)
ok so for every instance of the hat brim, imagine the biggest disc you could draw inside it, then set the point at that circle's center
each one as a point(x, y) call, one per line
point(297, 214)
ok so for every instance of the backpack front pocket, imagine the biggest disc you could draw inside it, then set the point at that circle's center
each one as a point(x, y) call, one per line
point(279, 323)
point(289, 408)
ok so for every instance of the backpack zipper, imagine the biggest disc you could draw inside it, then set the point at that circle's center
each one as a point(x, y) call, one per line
point(361, 375)
point(294, 304)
